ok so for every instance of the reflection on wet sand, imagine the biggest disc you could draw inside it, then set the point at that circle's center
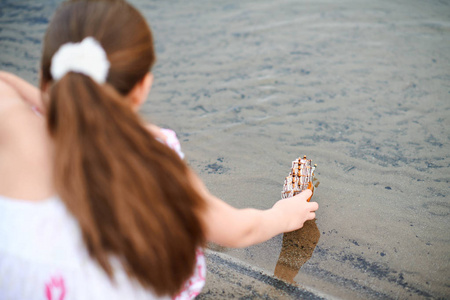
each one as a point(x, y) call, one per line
point(298, 247)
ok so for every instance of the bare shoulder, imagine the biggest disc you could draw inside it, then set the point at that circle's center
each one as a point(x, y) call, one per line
point(25, 149)
point(11, 107)
point(8, 95)
point(16, 116)
point(14, 87)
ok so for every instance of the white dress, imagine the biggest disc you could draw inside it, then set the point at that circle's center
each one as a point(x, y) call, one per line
point(42, 256)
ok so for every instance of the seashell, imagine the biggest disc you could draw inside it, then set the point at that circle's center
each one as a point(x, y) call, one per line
point(300, 178)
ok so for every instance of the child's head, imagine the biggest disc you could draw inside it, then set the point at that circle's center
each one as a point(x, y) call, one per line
point(117, 26)
point(128, 191)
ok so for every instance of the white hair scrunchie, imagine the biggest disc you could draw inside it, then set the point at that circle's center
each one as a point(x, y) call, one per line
point(87, 57)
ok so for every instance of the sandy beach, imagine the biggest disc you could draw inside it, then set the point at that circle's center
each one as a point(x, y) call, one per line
point(360, 87)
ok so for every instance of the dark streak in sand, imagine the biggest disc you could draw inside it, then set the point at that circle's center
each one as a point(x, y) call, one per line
point(373, 269)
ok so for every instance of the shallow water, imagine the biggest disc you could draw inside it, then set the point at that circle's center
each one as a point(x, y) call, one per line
point(362, 88)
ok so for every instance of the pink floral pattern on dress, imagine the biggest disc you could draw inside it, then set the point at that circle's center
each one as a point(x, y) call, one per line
point(172, 141)
point(55, 289)
point(194, 285)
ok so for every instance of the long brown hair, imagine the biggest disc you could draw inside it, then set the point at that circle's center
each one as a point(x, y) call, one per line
point(129, 192)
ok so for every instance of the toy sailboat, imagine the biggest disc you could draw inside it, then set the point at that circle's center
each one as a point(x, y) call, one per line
point(300, 178)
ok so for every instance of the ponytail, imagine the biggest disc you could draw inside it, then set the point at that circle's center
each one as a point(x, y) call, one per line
point(129, 192)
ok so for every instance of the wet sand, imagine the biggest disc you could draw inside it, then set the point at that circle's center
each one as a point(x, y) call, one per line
point(362, 88)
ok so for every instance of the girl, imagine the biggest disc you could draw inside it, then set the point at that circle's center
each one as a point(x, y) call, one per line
point(96, 204)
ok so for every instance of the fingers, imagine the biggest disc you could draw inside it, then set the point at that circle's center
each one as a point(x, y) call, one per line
point(313, 206)
point(306, 194)
point(311, 216)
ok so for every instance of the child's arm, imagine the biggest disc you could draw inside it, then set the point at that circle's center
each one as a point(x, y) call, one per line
point(26, 91)
point(232, 227)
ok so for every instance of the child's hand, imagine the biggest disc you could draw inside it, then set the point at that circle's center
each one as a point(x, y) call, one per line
point(296, 210)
